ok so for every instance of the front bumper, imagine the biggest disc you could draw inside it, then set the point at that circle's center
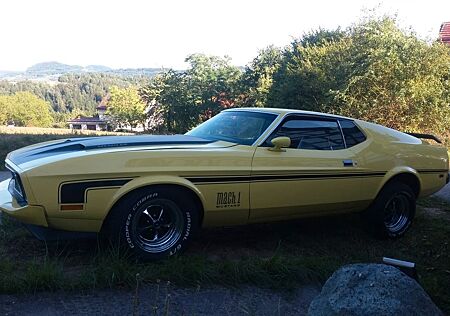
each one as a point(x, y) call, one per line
point(28, 214)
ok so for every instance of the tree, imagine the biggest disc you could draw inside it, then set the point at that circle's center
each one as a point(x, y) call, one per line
point(155, 118)
point(25, 109)
point(187, 98)
point(309, 69)
point(374, 71)
point(397, 79)
point(126, 107)
point(4, 109)
point(74, 91)
point(169, 93)
point(258, 77)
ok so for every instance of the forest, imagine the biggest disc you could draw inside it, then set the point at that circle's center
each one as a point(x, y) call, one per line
point(373, 70)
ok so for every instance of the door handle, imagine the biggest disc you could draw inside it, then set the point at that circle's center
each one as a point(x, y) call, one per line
point(348, 163)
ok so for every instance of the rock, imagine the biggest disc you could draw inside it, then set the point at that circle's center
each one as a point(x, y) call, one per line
point(372, 289)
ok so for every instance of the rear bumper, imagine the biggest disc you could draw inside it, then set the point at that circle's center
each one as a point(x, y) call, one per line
point(28, 214)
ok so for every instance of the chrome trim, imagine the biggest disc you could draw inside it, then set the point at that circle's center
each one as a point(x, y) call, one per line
point(269, 130)
point(12, 165)
point(258, 110)
point(304, 115)
point(342, 133)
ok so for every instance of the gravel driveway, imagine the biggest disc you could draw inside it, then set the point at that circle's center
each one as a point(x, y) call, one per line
point(165, 301)
point(444, 193)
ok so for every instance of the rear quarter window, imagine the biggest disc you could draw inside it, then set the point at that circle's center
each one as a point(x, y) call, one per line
point(352, 134)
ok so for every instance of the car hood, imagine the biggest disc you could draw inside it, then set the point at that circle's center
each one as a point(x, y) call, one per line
point(107, 143)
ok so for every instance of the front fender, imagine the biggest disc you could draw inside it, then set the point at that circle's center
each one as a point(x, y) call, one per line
point(153, 180)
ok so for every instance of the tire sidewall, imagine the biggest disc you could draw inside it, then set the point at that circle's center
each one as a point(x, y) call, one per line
point(411, 213)
point(375, 214)
point(138, 200)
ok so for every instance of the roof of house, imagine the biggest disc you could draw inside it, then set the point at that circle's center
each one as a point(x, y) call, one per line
point(101, 107)
point(444, 32)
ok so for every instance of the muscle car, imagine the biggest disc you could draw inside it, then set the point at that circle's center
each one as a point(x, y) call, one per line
point(152, 193)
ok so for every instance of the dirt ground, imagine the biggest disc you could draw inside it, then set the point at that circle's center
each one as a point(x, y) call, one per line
point(162, 300)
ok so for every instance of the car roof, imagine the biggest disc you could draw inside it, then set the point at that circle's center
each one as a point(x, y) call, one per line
point(287, 111)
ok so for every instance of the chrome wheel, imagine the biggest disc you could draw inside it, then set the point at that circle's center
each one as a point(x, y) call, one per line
point(158, 226)
point(397, 213)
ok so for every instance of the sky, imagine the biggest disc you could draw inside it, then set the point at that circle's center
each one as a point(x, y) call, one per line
point(161, 33)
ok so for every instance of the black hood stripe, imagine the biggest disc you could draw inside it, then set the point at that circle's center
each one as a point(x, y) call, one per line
point(102, 142)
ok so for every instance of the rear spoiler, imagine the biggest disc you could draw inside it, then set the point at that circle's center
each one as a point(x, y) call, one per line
point(426, 136)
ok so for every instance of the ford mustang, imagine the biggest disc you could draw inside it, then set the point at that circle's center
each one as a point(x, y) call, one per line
point(153, 193)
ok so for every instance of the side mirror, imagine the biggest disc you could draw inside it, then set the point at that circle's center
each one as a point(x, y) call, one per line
point(279, 143)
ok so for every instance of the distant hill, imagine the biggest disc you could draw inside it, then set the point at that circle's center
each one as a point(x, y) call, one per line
point(51, 71)
point(51, 68)
point(97, 68)
point(131, 72)
point(6, 73)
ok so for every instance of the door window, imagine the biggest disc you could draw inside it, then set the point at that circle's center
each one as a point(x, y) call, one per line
point(310, 134)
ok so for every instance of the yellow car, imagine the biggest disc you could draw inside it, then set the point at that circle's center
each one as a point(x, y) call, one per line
point(249, 165)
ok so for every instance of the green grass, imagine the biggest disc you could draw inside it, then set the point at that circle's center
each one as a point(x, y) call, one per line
point(278, 256)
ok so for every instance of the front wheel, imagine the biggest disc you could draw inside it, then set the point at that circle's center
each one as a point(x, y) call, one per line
point(392, 212)
point(154, 223)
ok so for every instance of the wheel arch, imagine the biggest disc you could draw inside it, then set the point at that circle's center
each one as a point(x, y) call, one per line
point(406, 175)
point(143, 183)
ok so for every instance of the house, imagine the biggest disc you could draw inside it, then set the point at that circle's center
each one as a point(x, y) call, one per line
point(444, 33)
point(102, 122)
point(98, 122)
point(101, 110)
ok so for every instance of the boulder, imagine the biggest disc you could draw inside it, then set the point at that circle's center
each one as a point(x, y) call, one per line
point(372, 289)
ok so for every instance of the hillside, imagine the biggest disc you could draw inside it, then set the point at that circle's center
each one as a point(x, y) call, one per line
point(51, 71)
point(80, 92)
point(51, 68)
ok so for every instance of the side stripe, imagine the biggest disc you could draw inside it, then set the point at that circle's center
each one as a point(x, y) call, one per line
point(264, 178)
point(258, 178)
point(432, 170)
point(74, 192)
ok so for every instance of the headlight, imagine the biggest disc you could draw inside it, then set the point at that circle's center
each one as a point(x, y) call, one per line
point(15, 187)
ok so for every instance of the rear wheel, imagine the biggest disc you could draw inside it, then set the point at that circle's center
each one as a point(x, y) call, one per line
point(392, 212)
point(154, 223)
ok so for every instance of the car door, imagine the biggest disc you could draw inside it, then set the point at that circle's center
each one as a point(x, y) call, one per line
point(316, 174)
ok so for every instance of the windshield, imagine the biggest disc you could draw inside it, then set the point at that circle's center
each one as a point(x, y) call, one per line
point(239, 127)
